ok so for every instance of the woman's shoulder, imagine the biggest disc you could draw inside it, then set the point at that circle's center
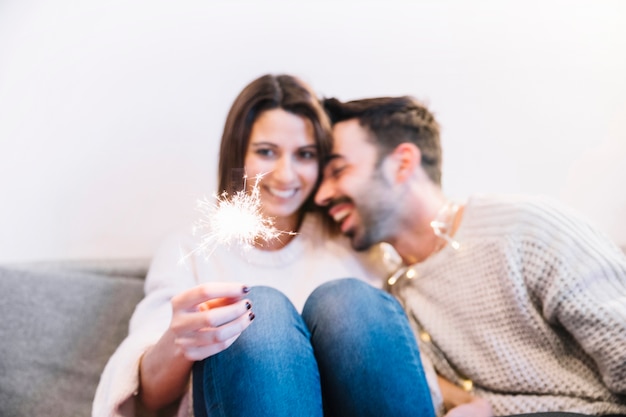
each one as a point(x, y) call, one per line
point(380, 260)
point(174, 262)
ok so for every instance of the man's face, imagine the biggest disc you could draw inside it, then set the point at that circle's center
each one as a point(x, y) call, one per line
point(354, 190)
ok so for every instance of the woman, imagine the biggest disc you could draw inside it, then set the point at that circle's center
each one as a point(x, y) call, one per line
point(349, 352)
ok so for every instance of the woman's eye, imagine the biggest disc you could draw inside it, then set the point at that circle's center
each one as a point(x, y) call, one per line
point(265, 152)
point(308, 155)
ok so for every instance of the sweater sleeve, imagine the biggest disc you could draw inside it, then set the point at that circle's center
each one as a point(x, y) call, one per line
point(119, 382)
point(581, 285)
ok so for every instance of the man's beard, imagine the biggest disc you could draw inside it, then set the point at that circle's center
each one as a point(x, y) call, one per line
point(376, 212)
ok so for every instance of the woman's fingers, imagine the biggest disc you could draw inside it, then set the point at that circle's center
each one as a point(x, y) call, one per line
point(200, 353)
point(208, 318)
point(218, 302)
point(185, 323)
point(190, 299)
point(211, 340)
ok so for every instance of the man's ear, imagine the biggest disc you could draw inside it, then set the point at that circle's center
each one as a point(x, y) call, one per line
point(407, 158)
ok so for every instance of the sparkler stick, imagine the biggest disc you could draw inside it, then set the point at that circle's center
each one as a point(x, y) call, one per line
point(233, 220)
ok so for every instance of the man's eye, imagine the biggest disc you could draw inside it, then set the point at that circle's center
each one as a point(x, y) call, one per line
point(335, 172)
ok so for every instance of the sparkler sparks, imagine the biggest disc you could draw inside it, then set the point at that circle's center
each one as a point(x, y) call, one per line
point(235, 220)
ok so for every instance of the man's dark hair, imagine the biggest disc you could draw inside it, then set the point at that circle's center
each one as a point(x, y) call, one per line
point(392, 121)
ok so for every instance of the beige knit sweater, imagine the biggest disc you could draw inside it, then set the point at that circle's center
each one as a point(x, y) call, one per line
point(531, 308)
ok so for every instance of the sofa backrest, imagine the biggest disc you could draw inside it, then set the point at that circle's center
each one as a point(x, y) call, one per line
point(58, 327)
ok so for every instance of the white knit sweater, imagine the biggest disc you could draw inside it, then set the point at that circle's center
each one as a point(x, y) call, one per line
point(531, 308)
point(308, 261)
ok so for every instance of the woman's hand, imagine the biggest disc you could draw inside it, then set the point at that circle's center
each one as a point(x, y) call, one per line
point(208, 318)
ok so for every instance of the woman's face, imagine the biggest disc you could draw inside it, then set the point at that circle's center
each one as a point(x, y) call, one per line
point(282, 149)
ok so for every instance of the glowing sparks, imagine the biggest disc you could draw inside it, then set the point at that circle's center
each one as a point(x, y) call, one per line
point(235, 220)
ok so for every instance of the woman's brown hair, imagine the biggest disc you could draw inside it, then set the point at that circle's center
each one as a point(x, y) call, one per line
point(266, 93)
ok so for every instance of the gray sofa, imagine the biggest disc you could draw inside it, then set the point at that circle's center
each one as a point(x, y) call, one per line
point(60, 322)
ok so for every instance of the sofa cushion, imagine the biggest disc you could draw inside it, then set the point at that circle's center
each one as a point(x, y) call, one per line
point(58, 328)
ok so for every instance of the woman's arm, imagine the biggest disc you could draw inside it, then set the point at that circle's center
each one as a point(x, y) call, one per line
point(206, 320)
point(163, 373)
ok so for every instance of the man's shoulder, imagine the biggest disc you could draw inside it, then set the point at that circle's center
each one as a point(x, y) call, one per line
point(521, 207)
point(538, 216)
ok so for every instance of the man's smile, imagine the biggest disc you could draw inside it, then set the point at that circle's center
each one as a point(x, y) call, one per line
point(340, 210)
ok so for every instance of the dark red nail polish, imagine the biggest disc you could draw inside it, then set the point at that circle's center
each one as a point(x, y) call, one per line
point(251, 315)
point(245, 290)
point(248, 305)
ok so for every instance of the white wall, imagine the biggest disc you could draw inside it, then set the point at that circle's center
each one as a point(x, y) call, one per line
point(111, 111)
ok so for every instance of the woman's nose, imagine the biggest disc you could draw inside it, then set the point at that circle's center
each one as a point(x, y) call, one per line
point(285, 170)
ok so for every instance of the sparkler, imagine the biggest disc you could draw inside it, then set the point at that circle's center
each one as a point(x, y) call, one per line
point(233, 220)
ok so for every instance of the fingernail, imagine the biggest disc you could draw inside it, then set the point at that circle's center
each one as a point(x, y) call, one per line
point(245, 290)
point(248, 305)
point(251, 315)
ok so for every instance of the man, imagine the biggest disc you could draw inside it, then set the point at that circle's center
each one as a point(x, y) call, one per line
point(516, 299)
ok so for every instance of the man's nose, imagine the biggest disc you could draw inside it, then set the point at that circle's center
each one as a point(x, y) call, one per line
point(324, 193)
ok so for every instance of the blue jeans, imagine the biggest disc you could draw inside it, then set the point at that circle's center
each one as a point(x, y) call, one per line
point(350, 353)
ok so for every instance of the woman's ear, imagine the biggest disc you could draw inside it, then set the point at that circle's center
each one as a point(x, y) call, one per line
point(407, 158)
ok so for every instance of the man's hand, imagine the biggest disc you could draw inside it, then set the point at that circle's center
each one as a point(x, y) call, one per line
point(478, 407)
point(461, 403)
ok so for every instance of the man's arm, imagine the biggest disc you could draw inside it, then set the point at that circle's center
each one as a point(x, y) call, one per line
point(587, 296)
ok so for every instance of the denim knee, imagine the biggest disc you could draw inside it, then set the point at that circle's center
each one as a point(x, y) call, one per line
point(342, 298)
point(249, 377)
point(367, 355)
point(270, 301)
point(276, 317)
point(337, 292)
